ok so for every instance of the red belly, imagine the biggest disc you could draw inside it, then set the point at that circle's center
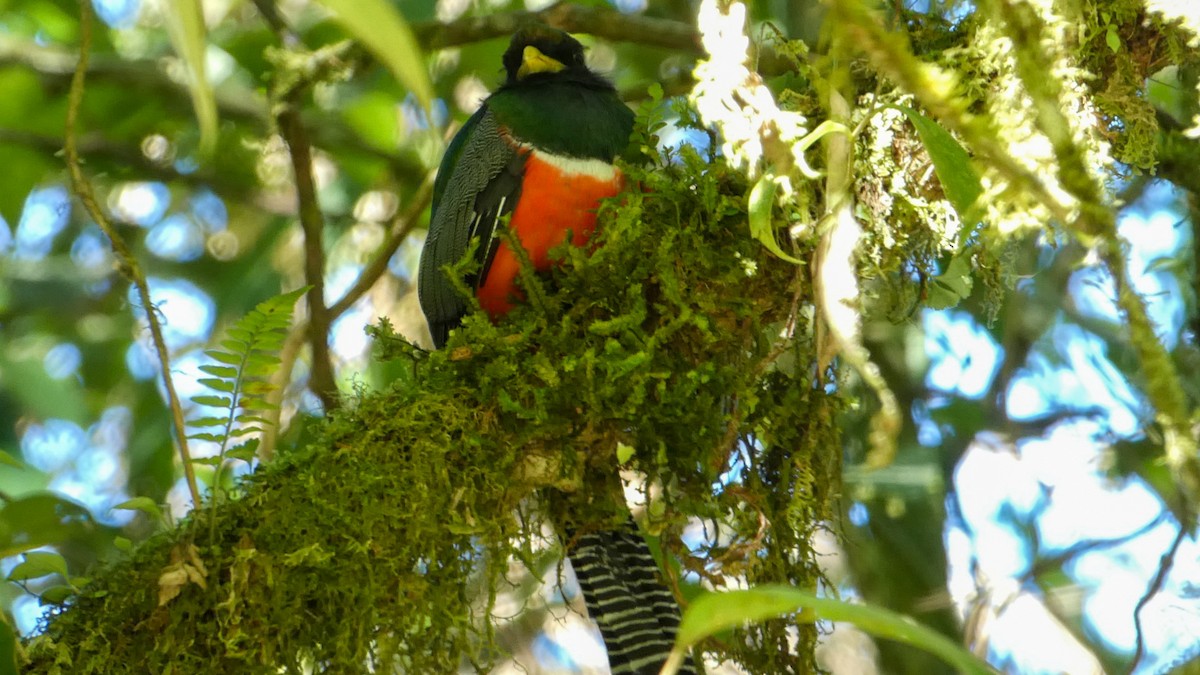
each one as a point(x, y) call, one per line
point(551, 204)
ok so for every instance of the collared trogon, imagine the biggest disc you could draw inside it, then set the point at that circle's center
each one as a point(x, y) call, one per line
point(540, 152)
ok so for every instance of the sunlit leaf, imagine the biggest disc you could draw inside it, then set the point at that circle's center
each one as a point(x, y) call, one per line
point(220, 385)
point(762, 225)
point(39, 519)
point(39, 564)
point(950, 161)
point(382, 29)
point(143, 504)
point(223, 357)
point(226, 372)
point(715, 612)
point(951, 287)
point(185, 25)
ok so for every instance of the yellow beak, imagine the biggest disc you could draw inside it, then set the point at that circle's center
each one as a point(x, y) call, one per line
point(534, 61)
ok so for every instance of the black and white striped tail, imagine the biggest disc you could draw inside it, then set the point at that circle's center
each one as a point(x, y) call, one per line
point(637, 614)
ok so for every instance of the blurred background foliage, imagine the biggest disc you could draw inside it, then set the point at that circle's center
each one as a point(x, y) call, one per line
point(1028, 513)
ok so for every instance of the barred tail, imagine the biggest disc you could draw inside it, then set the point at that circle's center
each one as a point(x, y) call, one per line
point(637, 614)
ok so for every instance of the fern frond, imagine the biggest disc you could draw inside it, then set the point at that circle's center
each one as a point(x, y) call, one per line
point(240, 377)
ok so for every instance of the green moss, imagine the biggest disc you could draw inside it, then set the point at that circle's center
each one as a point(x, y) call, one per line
point(383, 540)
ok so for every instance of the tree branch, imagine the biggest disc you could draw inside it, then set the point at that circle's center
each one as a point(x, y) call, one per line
point(602, 22)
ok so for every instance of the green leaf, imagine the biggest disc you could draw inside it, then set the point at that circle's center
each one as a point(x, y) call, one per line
point(123, 544)
point(39, 519)
point(244, 451)
point(203, 422)
point(9, 460)
point(950, 161)
point(185, 25)
point(714, 612)
point(57, 595)
point(208, 461)
point(224, 372)
point(949, 288)
point(223, 357)
point(214, 401)
point(762, 225)
point(378, 25)
point(8, 648)
point(39, 564)
point(1112, 38)
point(143, 504)
point(236, 346)
point(219, 385)
point(212, 438)
point(624, 453)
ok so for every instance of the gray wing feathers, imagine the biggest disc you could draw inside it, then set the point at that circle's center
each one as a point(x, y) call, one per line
point(456, 218)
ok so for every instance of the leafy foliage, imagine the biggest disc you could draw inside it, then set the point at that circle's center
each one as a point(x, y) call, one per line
point(240, 379)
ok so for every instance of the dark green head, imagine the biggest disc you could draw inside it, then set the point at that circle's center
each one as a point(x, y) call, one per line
point(540, 54)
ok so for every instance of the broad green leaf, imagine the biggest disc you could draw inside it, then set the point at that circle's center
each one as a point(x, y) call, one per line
point(762, 225)
point(123, 544)
point(143, 504)
point(57, 595)
point(39, 564)
point(950, 161)
point(185, 25)
point(39, 519)
point(9, 460)
point(382, 29)
point(715, 612)
point(949, 288)
point(207, 461)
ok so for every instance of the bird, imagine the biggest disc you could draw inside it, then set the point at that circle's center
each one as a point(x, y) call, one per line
point(540, 153)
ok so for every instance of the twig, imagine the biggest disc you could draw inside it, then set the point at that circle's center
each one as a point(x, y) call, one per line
point(126, 262)
point(1164, 568)
point(294, 133)
point(599, 21)
point(313, 223)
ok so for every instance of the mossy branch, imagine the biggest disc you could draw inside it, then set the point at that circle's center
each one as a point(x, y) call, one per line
point(368, 543)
